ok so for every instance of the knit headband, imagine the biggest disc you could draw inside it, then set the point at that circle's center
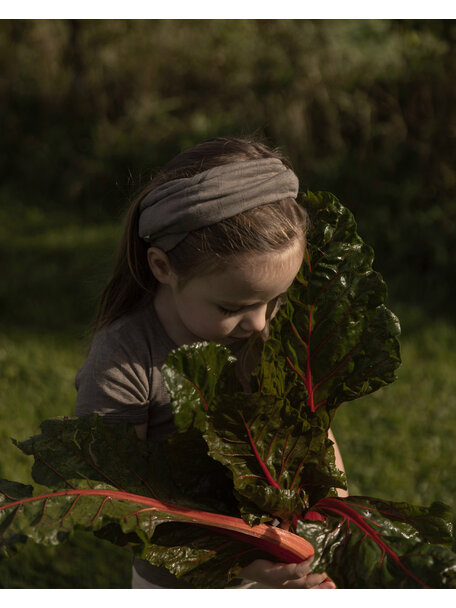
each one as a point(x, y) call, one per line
point(170, 211)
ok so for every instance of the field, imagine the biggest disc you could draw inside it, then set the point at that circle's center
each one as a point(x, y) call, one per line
point(397, 444)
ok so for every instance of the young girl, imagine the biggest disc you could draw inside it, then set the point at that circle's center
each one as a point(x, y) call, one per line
point(210, 247)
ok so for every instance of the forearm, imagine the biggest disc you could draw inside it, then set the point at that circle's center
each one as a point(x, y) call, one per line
point(339, 462)
point(141, 431)
point(286, 576)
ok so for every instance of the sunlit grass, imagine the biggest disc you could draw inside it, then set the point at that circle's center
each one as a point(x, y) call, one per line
point(398, 443)
point(36, 382)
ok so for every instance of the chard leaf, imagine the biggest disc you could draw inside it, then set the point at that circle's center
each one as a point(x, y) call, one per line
point(194, 373)
point(335, 340)
point(274, 464)
point(120, 516)
point(80, 452)
point(204, 558)
point(71, 453)
point(275, 455)
point(11, 491)
point(51, 517)
point(364, 542)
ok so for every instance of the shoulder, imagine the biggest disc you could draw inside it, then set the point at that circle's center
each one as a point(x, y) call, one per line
point(138, 335)
point(133, 348)
point(121, 372)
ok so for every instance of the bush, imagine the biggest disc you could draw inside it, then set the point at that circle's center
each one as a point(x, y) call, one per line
point(364, 108)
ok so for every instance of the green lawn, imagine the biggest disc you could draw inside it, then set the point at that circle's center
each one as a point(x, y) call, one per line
point(397, 443)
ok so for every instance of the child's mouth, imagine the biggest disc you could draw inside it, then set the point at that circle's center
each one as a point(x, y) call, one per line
point(236, 338)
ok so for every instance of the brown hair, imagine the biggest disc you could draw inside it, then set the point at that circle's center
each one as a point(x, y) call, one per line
point(269, 227)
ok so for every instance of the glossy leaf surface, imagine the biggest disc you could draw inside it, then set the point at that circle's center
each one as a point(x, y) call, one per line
point(274, 454)
point(212, 549)
point(336, 339)
point(364, 542)
point(71, 454)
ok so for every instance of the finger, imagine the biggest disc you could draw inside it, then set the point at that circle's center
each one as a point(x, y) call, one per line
point(303, 568)
point(326, 585)
point(258, 570)
point(281, 573)
point(274, 574)
point(316, 579)
point(311, 581)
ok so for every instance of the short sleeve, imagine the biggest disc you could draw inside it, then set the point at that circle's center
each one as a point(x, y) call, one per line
point(114, 380)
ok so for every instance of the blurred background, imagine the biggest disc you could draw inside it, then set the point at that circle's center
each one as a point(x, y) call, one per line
point(91, 108)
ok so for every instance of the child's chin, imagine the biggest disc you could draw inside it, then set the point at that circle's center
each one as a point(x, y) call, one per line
point(230, 340)
point(225, 340)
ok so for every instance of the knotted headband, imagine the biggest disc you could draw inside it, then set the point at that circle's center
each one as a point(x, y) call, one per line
point(170, 211)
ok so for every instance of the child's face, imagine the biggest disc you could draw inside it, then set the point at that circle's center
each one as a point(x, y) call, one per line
point(229, 305)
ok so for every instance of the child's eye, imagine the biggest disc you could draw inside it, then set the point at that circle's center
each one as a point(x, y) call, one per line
point(277, 301)
point(227, 312)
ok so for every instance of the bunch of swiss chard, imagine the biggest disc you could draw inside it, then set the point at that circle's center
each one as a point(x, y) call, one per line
point(202, 502)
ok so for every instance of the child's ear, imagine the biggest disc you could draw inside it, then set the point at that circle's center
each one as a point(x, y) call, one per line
point(160, 266)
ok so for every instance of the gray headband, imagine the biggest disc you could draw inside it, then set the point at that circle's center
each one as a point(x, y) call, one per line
point(170, 211)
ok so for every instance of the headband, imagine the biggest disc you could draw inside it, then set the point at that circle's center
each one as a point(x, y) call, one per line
point(170, 211)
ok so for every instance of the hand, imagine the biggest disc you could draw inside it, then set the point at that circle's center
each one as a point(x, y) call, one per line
point(286, 576)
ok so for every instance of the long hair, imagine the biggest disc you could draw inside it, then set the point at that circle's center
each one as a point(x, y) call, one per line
point(267, 228)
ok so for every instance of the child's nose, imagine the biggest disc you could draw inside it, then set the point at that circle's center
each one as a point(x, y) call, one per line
point(254, 320)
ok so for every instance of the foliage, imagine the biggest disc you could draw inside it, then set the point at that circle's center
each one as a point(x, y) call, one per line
point(363, 107)
point(380, 544)
point(273, 442)
point(386, 544)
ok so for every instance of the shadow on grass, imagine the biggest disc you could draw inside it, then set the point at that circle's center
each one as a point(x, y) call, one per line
point(82, 562)
point(51, 281)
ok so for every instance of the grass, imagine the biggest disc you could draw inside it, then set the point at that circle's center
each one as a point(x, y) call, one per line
point(52, 269)
point(396, 444)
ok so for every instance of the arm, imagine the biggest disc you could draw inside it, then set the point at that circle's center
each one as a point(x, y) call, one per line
point(339, 462)
point(293, 576)
point(113, 381)
point(141, 431)
point(286, 576)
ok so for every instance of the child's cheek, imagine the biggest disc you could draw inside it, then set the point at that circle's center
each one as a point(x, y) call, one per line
point(227, 325)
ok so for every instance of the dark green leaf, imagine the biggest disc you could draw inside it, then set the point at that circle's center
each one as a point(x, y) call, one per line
point(364, 542)
point(274, 454)
point(198, 555)
point(335, 340)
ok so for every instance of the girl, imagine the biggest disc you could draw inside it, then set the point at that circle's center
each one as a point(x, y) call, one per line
point(210, 246)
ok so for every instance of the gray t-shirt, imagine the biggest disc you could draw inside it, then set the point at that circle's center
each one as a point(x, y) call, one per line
point(121, 380)
point(121, 377)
